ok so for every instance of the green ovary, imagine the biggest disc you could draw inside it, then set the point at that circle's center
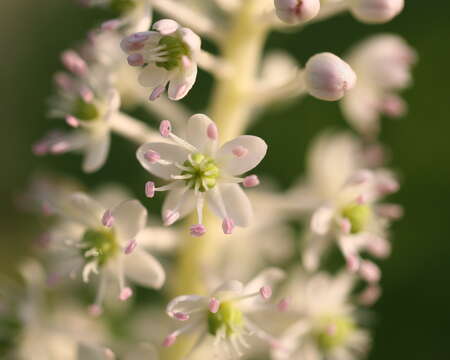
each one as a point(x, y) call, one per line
point(175, 49)
point(333, 332)
point(84, 111)
point(228, 316)
point(358, 215)
point(103, 241)
point(120, 7)
point(203, 170)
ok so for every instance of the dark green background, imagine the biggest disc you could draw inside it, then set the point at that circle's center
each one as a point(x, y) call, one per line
point(413, 320)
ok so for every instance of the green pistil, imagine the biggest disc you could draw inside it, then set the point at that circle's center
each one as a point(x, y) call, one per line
point(120, 7)
point(358, 215)
point(333, 332)
point(175, 49)
point(228, 316)
point(84, 111)
point(204, 172)
point(103, 241)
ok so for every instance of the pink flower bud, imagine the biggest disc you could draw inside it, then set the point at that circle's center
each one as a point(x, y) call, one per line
point(376, 11)
point(296, 11)
point(327, 77)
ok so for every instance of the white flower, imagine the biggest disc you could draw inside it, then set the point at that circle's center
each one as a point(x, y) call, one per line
point(326, 327)
point(376, 11)
point(345, 199)
point(227, 314)
point(383, 65)
point(198, 171)
point(87, 102)
point(168, 56)
point(296, 11)
point(104, 240)
point(131, 15)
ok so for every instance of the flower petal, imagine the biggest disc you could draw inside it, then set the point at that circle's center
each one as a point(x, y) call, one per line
point(96, 152)
point(130, 218)
point(153, 76)
point(169, 152)
point(157, 238)
point(166, 26)
point(183, 201)
point(197, 132)
point(321, 220)
point(83, 209)
point(255, 147)
point(187, 304)
point(144, 269)
point(191, 39)
point(180, 85)
point(229, 288)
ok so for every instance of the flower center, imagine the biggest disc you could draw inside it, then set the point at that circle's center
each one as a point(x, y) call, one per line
point(175, 49)
point(358, 215)
point(228, 316)
point(203, 171)
point(120, 7)
point(333, 332)
point(100, 245)
point(84, 111)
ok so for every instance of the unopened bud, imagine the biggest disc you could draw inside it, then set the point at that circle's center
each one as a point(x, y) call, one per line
point(376, 11)
point(327, 77)
point(296, 11)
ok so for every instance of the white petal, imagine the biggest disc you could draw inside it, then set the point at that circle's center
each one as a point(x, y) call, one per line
point(153, 76)
point(83, 209)
point(237, 204)
point(167, 152)
point(183, 202)
point(166, 26)
point(229, 288)
point(197, 129)
point(321, 220)
point(180, 85)
point(130, 217)
point(110, 195)
point(191, 39)
point(96, 152)
point(144, 269)
point(234, 165)
point(156, 238)
point(187, 304)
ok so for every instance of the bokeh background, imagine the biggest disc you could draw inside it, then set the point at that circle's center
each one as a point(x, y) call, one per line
point(413, 316)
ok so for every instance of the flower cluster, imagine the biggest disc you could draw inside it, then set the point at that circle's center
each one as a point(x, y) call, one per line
point(108, 239)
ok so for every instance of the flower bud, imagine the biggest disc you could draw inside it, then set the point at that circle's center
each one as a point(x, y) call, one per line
point(376, 11)
point(327, 77)
point(296, 11)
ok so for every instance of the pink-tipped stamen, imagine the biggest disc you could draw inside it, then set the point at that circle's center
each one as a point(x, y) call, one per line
point(239, 151)
point(283, 305)
point(72, 121)
point(370, 272)
point(74, 63)
point(135, 60)
point(169, 340)
point(227, 226)
point(345, 226)
point(212, 132)
point(251, 181)
point(86, 94)
point(266, 292)
point(152, 156)
point(63, 81)
point(60, 147)
point(125, 294)
point(197, 230)
point(131, 246)
point(95, 310)
point(213, 305)
point(361, 199)
point(110, 25)
point(108, 219)
point(165, 128)
point(370, 295)
point(150, 189)
point(181, 316)
point(353, 263)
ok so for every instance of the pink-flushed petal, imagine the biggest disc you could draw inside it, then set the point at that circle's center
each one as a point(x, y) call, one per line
point(236, 165)
point(197, 133)
point(321, 220)
point(130, 217)
point(144, 269)
point(192, 40)
point(153, 76)
point(167, 152)
point(180, 200)
point(166, 26)
point(186, 304)
point(182, 83)
point(96, 152)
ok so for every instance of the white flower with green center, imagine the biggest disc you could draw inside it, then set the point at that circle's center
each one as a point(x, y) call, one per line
point(167, 56)
point(89, 103)
point(326, 327)
point(104, 241)
point(198, 171)
point(228, 314)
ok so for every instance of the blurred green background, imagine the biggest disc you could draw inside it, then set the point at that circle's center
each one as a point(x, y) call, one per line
point(413, 318)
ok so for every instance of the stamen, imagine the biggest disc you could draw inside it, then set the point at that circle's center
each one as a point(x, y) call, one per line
point(150, 189)
point(370, 272)
point(345, 225)
point(181, 316)
point(60, 147)
point(95, 310)
point(72, 121)
point(181, 177)
point(111, 25)
point(165, 128)
point(283, 305)
point(152, 156)
point(197, 230)
point(265, 292)
point(125, 294)
point(86, 94)
point(251, 181)
point(132, 244)
point(228, 226)
point(352, 263)
point(135, 60)
point(169, 340)
point(108, 219)
point(370, 295)
point(74, 63)
point(240, 151)
point(214, 305)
